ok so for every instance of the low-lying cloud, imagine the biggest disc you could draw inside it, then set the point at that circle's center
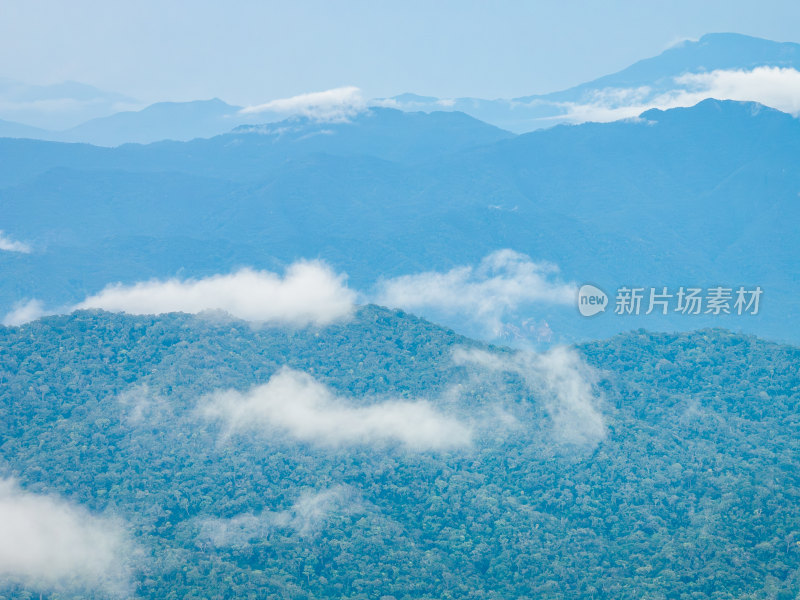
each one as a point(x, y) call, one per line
point(48, 544)
point(501, 283)
point(560, 379)
point(141, 405)
point(336, 105)
point(24, 312)
point(304, 517)
point(776, 87)
point(10, 245)
point(295, 404)
point(308, 293)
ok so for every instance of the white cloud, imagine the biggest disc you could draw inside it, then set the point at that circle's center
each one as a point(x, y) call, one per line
point(559, 378)
point(502, 282)
point(771, 86)
point(49, 544)
point(309, 292)
point(339, 104)
point(678, 42)
point(24, 312)
point(9, 245)
point(305, 516)
point(598, 113)
point(296, 404)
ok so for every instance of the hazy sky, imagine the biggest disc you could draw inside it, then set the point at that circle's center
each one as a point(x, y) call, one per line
point(247, 52)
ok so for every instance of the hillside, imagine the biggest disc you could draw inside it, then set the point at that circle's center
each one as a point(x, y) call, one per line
point(689, 488)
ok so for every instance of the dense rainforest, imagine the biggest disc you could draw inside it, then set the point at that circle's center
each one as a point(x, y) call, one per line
point(685, 486)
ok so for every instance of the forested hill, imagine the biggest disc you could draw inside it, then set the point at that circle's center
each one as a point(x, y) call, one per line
point(685, 485)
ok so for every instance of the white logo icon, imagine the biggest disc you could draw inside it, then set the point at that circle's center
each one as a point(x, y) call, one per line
point(591, 300)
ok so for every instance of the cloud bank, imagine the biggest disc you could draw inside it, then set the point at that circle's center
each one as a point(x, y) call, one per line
point(501, 283)
point(771, 86)
point(295, 404)
point(10, 245)
point(48, 544)
point(304, 517)
point(308, 293)
point(560, 379)
point(339, 104)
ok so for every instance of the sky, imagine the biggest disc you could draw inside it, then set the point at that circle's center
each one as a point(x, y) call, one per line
point(247, 52)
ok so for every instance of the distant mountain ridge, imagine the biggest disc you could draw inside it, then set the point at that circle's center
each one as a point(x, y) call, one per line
point(645, 79)
point(179, 121)
point(382, 133)
point(55, 107)
point(711, 52)
point(641, 82)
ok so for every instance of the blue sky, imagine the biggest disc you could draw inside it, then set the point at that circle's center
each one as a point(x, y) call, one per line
point(247, 52)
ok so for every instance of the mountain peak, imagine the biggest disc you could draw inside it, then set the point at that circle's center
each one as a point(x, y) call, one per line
point(731, 37)
point(711, 106)
point(713, 51)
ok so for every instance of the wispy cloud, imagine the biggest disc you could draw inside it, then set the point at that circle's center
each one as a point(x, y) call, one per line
point(501, 283)
point(309, 292)
point(141, 405)
point(339, 104)
point(24, 312)
point(304, 517)
point(295, 404)
point(559, 379)
point(10, 245)
point(49, 544)
point(771, 86)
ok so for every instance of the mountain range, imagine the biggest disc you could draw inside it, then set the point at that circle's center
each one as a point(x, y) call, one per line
point(676, 76)
point(679, 76)
point(703, 196)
